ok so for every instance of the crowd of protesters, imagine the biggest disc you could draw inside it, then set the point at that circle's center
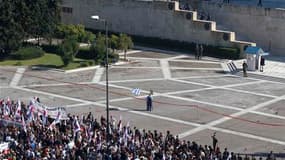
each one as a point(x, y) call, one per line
point(84, 137)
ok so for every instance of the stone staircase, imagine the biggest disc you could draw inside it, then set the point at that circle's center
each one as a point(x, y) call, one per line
point(211, 26)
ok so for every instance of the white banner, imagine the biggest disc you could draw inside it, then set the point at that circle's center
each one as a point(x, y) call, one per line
point(4, 146)
point(51, 111)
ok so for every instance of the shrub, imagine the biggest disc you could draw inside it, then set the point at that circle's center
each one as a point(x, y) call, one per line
point(68, 50)
point(113, 57)
point(28, 53)
point(51, 49)
point(67, 58)
point(83, 64)
point(214, 51)
point(84, 53)
point(78, 31)
point(18, 63)
point(90, 63)
point(222, 52)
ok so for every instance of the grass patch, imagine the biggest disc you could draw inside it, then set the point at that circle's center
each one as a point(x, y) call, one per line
point(48, 60)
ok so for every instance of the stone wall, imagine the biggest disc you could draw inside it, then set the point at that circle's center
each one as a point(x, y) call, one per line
point(265, 26)
point(159, 19)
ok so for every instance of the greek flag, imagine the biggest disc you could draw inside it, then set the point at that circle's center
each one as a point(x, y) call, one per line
point(136, 91)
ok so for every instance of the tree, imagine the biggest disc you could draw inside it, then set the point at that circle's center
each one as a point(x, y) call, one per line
point(11, 31)
point(68, 50)
point(98, 49)
point(114, 42)
point(125, 43)
point(77, 31)
point(20, 19)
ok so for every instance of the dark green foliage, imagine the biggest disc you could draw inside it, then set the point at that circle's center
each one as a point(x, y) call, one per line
point(51, 48)
point(113, 57)
point(125, 43)
point(83, 64)
point(222, 52)
point(84, 53)
point(98, 50)
point(22, 19)
point(11, 31)
point(28, 53)
point(213, 51)
point(174, 45)
point(77, 31)
point(66, 58)
point(68, 50)
point(114, 42)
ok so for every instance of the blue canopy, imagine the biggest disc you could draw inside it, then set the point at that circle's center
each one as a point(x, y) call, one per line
point(255, 50)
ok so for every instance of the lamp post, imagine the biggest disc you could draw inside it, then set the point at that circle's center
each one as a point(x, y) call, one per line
point(96, 17)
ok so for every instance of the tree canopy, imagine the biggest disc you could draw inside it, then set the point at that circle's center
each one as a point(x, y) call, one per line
point(20, 19)
point(125, 43)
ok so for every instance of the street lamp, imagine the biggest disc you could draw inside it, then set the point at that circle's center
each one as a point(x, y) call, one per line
point(96, 17)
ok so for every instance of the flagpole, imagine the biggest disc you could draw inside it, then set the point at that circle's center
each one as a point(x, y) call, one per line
point(96, 17)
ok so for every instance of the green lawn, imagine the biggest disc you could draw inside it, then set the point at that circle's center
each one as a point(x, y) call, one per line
point(48, 60)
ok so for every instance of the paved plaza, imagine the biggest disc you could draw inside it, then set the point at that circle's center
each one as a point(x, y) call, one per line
point(193, 99)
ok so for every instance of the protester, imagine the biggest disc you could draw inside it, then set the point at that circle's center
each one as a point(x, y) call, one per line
point(81, 137)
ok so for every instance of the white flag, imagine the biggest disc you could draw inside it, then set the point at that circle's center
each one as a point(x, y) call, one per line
point(136, 91)
point(24, 124)
point(18, 111)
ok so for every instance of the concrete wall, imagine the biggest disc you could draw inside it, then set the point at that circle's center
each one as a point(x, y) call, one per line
point(149, 18)
point(265, 26)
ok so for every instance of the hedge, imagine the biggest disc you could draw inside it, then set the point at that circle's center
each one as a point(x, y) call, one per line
point(213, 51)
point(84, 53)
point(51, 48)
point(28, 53)
point(175, 45)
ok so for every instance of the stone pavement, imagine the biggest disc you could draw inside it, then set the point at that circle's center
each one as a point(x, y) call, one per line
point(274, 67)
point(192, 99)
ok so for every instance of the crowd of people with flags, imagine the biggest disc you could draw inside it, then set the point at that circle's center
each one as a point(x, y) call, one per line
point(29, 132)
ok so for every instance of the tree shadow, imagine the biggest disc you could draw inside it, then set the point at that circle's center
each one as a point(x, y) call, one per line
point(45, 67)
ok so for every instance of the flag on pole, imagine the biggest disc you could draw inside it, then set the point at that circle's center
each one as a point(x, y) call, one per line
point(126, 134)
point(8, 102)
point(56, 121)
point(18, 111)
point(136, 91)
point(30, 112)
point(44, 116)
point(58, 117)
point(6, 110)
point(24, 124)
point(120, 125)
point(76, 126)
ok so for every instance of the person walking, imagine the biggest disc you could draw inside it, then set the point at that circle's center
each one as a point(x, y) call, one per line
point(244, 68)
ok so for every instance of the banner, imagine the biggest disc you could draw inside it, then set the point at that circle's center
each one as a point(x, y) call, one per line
point(5, 122)
point(4, 146)
point(52, 112)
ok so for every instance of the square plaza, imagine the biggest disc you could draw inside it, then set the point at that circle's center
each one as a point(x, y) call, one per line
point(191, 100)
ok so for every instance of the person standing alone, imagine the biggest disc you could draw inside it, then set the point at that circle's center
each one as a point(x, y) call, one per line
point(149, 101)
point(244, 68)
point(262, 63)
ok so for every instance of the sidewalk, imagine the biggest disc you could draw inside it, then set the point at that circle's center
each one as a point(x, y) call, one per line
point(274, 67)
